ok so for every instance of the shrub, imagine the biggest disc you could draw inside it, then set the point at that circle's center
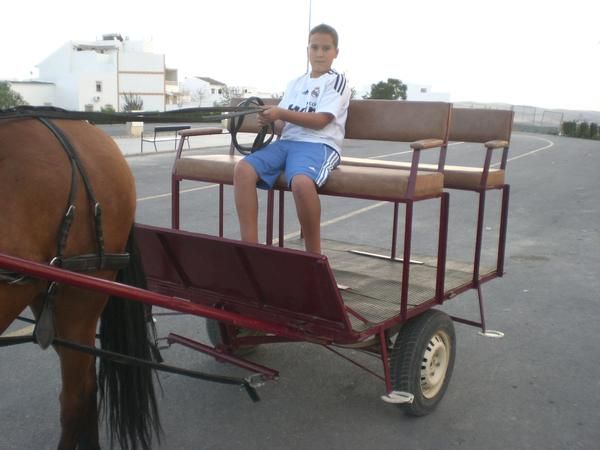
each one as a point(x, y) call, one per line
point(133, 102)
point(107, 109)
point(583, 130)
point(594, 130)
point(569, 128)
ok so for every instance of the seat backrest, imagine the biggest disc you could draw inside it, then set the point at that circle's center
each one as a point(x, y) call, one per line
point(250, 123)
point(480, 125)
point(393, 120)
point(286, 286)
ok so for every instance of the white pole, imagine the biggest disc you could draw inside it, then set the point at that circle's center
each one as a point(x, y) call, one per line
point(309, 28)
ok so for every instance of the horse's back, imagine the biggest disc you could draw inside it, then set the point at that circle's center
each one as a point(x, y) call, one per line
point(35, 182)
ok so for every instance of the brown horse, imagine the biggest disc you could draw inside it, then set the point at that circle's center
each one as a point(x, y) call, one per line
point(35, 184)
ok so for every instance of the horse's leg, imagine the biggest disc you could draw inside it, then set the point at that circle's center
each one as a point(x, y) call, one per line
point(76, 317)
point(14, 299)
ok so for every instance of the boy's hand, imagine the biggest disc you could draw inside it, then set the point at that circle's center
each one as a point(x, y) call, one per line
point(312, 120)
point(269, 114)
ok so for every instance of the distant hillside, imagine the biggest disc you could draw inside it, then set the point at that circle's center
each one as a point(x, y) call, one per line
point(525, 113)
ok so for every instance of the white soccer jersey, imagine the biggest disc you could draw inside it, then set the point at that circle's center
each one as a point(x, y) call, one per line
point(328, 93)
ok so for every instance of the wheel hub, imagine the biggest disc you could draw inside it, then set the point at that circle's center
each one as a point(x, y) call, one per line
point(434, 364)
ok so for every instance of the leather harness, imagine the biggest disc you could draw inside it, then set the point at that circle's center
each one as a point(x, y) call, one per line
point(100, 260)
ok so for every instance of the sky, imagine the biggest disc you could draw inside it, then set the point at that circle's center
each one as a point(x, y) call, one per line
point(543, 53)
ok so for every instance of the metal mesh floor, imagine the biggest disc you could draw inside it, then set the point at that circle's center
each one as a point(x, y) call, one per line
point(371, 286)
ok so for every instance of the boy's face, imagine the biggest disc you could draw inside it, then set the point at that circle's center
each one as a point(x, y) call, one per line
point(321, 53)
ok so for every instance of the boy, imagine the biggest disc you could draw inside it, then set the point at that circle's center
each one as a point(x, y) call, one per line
point(314, 110)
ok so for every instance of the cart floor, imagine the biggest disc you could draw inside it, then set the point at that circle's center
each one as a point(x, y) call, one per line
point(371, 286)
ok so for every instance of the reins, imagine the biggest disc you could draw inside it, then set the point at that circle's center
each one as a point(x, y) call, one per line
point(261, 140)
point(204, 114)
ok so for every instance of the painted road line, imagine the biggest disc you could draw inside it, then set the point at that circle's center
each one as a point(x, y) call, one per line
point(184, 191)
point(25, 331)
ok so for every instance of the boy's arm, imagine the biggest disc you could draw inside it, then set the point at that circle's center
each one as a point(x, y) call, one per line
point(313, 120)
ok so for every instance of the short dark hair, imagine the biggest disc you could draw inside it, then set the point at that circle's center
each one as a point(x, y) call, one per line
point(325, 29)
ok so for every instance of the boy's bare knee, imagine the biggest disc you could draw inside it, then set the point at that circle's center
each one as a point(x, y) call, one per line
point(244, 173)
point(302, 184)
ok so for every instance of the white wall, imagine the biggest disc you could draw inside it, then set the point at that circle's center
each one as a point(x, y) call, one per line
point(87, 94)
point(142, 82)
point(147, 62)
point(35, 94)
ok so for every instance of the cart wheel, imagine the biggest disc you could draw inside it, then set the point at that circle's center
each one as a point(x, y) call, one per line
point(422, 360)
point(213, 329)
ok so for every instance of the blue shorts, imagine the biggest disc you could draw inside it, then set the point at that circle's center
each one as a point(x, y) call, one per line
point(314, 160)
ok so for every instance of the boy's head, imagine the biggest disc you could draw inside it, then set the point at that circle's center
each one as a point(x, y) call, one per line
point(325, 29)
point(322, 49)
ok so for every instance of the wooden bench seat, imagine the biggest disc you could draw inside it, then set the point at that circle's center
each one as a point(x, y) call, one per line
point(455, 177)
point(349, 181)
point(489, 127)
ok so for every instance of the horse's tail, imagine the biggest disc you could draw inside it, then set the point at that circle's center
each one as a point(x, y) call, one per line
point(127, 392)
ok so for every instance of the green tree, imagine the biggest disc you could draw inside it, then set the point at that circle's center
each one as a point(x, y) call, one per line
point(8, 97)
point(392, 89)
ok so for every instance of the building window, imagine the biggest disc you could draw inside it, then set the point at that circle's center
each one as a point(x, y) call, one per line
point(212, 91)
point(98, 86)
point(89, 108)
point(423, 90)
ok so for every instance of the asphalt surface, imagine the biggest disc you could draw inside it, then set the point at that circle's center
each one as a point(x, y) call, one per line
point(536, 388)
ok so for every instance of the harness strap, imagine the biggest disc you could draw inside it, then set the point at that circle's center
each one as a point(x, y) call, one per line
point(80, 263)
point(91, 262)
point(76, 167)
point(44, 328)
point(247, 383)
point(204, 114)
point(15, 340)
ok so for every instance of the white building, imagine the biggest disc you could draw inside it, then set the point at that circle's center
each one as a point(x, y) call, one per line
point(423, 93)
point(202, 91)
point(34, 92)
point(207, 92)
point(94, 75)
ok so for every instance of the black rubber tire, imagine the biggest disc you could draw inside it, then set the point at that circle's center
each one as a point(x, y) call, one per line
point(422, 360)
point(213, 330)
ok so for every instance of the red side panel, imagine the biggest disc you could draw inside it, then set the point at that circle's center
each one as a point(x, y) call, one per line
point(290, 286)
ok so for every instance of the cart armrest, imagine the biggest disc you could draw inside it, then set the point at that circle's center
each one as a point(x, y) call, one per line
point(425, 144)
point(200, 131)
point(496, 144)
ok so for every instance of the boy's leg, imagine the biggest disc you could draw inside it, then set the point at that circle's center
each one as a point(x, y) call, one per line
point(308, 166)
point(257, 169)
point(308, 208)
point(246, 200)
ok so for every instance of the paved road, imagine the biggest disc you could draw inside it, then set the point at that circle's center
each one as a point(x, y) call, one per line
point(537, 388)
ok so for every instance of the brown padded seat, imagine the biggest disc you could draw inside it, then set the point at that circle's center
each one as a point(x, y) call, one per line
point(344, 181)
point(455, 177)
point(491, 127)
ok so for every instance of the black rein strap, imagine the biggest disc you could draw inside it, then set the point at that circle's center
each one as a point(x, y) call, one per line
point(211, 114)
point(261, 140)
